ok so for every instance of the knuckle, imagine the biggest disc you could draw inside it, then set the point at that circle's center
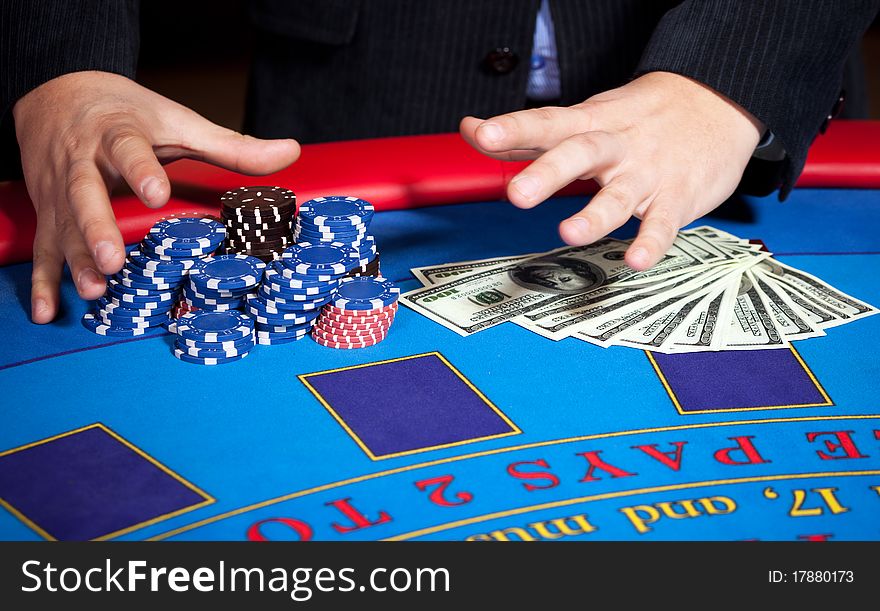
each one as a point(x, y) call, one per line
point(43, 256)
point(620, 200)
point(663, 224)
point(91, 225)
point(545, 114)
point(79, 179)
point(120, 141)
point(586, 145)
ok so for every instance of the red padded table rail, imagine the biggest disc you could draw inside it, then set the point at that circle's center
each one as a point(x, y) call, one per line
point(404, 172)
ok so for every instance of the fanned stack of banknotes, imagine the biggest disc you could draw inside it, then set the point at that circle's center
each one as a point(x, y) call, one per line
point(712, 291)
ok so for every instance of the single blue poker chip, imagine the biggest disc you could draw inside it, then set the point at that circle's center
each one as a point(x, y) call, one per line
point(188, 233)
point(285, 320)
point(110, 315)
point(324, 231)
point(152, 275)
point(365, 293)
point(277, 274)
point(94, 324)
point(286, 296)
point(227, 273)
point(267, 330)
point(148, 261)
point(337, 210)
point(188, 358)
point(129, 280)
point(318, 259)
point(222, 307)
point(266, 307)
point(283, 339)
point(215, 294)
point(352, 234)
point(353, 244)
point(199, 298)
point(151, 247)
point(273, 290)
point(260, 307)
point(221, 353)
point(238, 344)
point(131, 310)
point(117, 295)
point(208, 326)
point(352, 241)
point(138, 305)
point(133, 323)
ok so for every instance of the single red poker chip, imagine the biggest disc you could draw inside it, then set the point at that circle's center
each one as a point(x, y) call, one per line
point(377, 312)
point(342, 328)
point(348, 339)
point(334, 334)
point(345, 345)
point(357, 320)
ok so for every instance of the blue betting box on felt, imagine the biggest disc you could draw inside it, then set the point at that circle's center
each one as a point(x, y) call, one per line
point(407, 405)
point(90, 484)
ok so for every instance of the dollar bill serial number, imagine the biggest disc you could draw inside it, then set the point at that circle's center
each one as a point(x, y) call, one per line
point(825, 576)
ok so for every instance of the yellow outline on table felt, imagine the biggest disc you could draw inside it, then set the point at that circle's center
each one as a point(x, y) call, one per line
point(118, 533)
point(828, 402)
point(515, 430)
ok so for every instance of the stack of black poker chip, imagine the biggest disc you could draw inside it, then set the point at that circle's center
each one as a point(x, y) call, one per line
point(259, 221)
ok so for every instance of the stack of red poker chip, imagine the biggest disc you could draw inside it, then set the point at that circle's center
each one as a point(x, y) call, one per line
point(339, 328)
point(358, 315)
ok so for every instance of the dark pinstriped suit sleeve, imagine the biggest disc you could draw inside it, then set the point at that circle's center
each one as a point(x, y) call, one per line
point(42, 40)
point(782, 60)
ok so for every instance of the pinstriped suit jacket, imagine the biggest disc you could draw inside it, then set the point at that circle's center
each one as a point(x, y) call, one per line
point(338, 69)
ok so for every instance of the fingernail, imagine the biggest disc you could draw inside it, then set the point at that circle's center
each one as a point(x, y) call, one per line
point(492, 132)
point(86, 277)
point(639, 256)
point(527, 186)
point(151, 189)
point(39, 306)
point(581, 227)
point(104, 253)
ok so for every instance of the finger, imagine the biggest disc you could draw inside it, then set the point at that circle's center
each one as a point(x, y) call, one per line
point(132, 154)
point(89, 206)
point(609, 209)
point(656, 234)
point(537, 128)
point(580, 156)
point(46, 274)
point(89, 283)
point(234, 151)
point(466, 128)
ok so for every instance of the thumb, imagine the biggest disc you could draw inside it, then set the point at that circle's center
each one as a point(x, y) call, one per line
point(229, 149)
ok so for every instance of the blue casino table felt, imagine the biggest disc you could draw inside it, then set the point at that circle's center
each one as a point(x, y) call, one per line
point(427, 435)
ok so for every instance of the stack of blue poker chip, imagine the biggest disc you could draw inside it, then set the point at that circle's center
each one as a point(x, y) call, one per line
point(337, 219)
point(295, 289)
point(213, 338)
point(221, 283)
point(141, 295)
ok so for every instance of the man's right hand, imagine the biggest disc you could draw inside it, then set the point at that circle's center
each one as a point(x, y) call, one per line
point(82, 133)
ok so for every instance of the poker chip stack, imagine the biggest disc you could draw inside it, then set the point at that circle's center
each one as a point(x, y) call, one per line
point(343, 220)
point(258, 221)
point(295, 289)
point(221, 283)
point(358, 315)
point(142, 295)
point(213, 338)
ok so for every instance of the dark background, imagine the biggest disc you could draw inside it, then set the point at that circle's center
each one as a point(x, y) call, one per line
point(197, 53)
